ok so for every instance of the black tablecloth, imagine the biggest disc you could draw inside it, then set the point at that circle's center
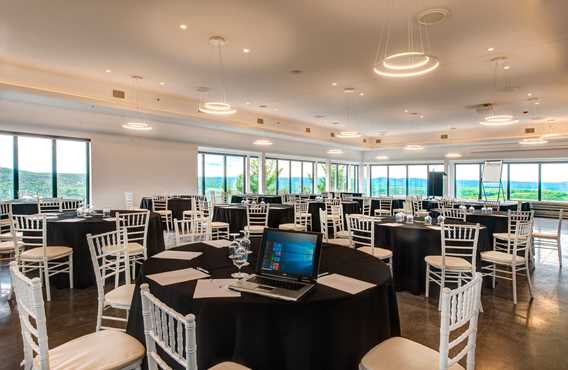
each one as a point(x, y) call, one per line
point(74, 235)
point(236, 216)
point(24, 207)
point(176, 205)
point(410, 243)
point(328, 329)
point(277, 199)
point(314, 207)
point(495, 222)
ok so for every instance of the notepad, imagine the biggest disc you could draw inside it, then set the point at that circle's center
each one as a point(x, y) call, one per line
point(177, 255)
point(110, 219)
point(70, 220)
point(221, 243)
point(391, 224)
point(345, 283)
point(215, 288)
point(177, 276)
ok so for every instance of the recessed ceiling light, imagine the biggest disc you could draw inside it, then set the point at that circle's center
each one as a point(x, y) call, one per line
point(183, 26)
point(529, 94)
point(335, 151)
point(335, 123)
point(381, 157)
point(349, 90)
point(533, 141)
point(506, 67)
point(413, 147)
point(319, 116)
point(453, 155)
point(406, 111)
point(361, 94)
point(140, 126)
point(262, 142)
point(334, 84)
point(263, 106)
point(247, 103)
point(491, 49)
point(421, 116)
point(536, 102)
point(162, 83)
point(246, 51)
point(108, 71)
point(348, 134)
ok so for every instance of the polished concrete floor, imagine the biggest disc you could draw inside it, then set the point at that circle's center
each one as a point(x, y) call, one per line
point(531, 335)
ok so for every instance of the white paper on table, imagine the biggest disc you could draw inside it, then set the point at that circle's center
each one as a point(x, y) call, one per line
point(345, 283)
point(177, 276)
point(215, 288)
point(177, 255)
point(391, 224)
point(221, 243)
point(435, 227)
point(110, 219)
point(70, 220)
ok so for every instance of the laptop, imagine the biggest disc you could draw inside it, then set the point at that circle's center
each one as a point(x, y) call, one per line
point(287, 265)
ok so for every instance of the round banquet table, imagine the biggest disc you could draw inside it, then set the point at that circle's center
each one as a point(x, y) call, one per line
point(315, 206)
point(74, 235)
point(275, 199)
point(328, 329)
point(236, 215)
point(496, 222)
point(410, 243)
point(176, 205)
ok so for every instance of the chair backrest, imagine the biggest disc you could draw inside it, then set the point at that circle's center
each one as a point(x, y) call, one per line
point(522, 239)
point(513, 218)
point(446, 203)
point(159, 203)
point(454, 213)
point(129, 200)
point(323, 224)
point(169, 330)
point(347, 197)
point(362, 231)
point(460, 307)
point(5, 214)
point(31, 310)
point(385, 203)
point(257, 214)
point(136, 225)
point(33, 231)
point(70, 204)
point(366, 205)
point(191, 230)
point(416, 206)
point(217, 197)
point(47, 205)
point(109, 263)
point(460, 240)
point(301, 212)
point(493, 204)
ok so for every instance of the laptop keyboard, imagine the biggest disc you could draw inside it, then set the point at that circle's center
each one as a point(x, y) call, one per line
point(277, 283)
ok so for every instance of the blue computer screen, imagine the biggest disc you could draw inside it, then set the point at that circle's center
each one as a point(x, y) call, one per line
point(289, 254)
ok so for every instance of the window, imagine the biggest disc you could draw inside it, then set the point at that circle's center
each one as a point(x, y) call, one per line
point(491, 190)
point(307, 177)
point(378, 180)
point(341, 177)
point(253, 174)
point(295, 177)
point(6, 167)
point(333, 177)
point(353, 185)
point(322, 178)
point(214, 173)
point(523, 181)
point(554, 181)
point(397, 180)
point(271, 176)
point(72, 164)
point(467, 181)
point(35, 170)
point(283, 176)
point(417, 180)
point(235, 174)
point(200, 173)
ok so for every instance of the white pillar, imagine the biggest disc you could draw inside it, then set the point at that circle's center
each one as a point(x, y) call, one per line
point(328, 176)
point(449, 179)
point(362, 182)
point(261, 172)
point(247, 174)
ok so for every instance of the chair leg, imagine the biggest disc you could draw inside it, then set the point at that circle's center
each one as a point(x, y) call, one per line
point(71, 277)
point(493, 275)
point(99, 314)
point(529, 280)
point(427, 294)
point(46, 278)
point(514, 274)
point(559, 246)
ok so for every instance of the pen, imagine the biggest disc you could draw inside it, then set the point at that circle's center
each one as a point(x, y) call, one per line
point(202, 270)
point(323, 274)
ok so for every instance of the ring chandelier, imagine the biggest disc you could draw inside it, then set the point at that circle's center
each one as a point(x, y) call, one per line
point(218, 107)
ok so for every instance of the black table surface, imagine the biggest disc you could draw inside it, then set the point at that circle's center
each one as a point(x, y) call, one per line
point(236, 215)
point(74, 235)
point(261, 198)
point(328, 329)
point(176, 205)
point(410, 243)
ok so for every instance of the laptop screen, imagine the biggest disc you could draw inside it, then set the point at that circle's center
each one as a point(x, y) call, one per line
point(290, 254)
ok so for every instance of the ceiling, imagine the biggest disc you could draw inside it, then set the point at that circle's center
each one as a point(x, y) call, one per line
point(327, 40)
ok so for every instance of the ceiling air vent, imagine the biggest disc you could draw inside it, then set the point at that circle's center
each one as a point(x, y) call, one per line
point(119, 94)
point(308, 130)
point(332, 134)
point(260, 121)
point(529, 130)
point(378, 141)
point(444, 136)
point(364, 141)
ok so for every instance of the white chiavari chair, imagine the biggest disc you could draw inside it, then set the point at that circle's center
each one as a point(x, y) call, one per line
point(324, 228)
point(300, 218)
point(504, 241)
point(458, 259)
point(458, 333)
point(219, 229)
point(35, 254)
point(173, 333)
point(506, 265)
point(366, 203)
point(257, 219)
point(192, 230)
point(385, 207)
point(217, 198)
point(48, 205)
point(418, 208)
point(347, 197)
point(446, 203)
point(5, 221)
point(106, 349)
point(129, 201)
point(110, 266)
point(454, 214)
point(493, 204)
point(550, 241)
point(136, 226)
point(9, 244)
point(334, 212)
point(160, 206)
point(70, 204)
point(340, 232)
point(362, 231)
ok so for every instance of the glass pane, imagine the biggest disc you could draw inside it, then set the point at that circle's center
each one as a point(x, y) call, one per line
point(200, 174)
point(436, 168)
point(235, 174)
point(321, 181)
point(214, 173)
point(253, 175)
point(397, 180)
point(6, 167)
point(271, 175)
point(35, 166)
point(307, 177)
point(417, 180)
point(554, 181)
point(296, 177)
point(341, 177)
point(524, 181)
point(333, 177)
point(378, 180)
point(491, 190)
point(353, 178)
point(467, 181)
point(283, 176)
point(72, 169)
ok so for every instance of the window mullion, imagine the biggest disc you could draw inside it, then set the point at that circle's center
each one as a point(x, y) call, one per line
point(54, 168)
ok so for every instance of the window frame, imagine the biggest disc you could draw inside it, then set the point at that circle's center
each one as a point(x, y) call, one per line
point(388, 165)
point(224, 155)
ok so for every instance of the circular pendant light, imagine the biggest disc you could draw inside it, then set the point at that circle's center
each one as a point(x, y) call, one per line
point(413, 147)
point(218, 107)
point(533, 141)
point(499, 120)
point(407, 64)
point(137, 125)
point(348, 134)
point(140, 126)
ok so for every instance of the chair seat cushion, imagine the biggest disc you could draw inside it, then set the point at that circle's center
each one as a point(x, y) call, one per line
point(343, 234)
point(505, 236)
point(219, 224)
point(380, 253)
point(121, 296)
point(102, 350)
point(401, 353)
point(53, 252)
point(341, 242)
point(5, 221)
point(6, 247)
point(452, 263)
point(255, 228)
point(305, 215)
point(545, 235)
point(292, 227)
point(164, 212)
point(133, 248)
point(8, 235)
point(502, 258)
point(228, 366)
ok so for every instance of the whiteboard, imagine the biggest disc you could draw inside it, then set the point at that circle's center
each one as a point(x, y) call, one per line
point(492, 171)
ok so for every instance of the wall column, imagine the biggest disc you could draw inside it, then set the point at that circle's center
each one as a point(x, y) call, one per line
point(261, 172)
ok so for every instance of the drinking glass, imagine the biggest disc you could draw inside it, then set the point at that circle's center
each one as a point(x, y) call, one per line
point(239, 257)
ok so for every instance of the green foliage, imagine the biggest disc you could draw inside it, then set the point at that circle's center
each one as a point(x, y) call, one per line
point(69, 185)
